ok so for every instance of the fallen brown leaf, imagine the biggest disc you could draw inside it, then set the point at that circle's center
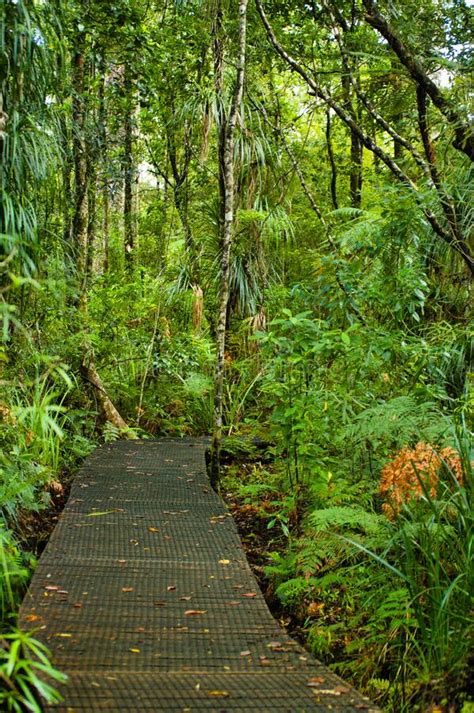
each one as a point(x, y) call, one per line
point(195, 612)
point(218, 694)
point(315, 681)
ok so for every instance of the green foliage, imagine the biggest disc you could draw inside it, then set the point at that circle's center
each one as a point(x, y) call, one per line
point(26, 673)
point(349, 332)
point(396, 423)
point(14, 573)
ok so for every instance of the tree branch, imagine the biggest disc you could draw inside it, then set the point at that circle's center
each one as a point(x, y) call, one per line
point(463, 130)
point(460, 247)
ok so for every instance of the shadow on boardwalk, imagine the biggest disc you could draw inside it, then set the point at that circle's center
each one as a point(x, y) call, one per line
point(146, 599)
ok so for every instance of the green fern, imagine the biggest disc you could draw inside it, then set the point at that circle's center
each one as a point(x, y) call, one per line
point(294, 591)
point(397, 423)
point(353, 518)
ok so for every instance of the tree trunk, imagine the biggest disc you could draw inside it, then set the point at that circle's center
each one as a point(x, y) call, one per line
point(355, 169)
point(332, 162)
point(104, 163)
point(80, 218)
point(227, 171)
point(218, 55)
point(430, 153)
point(128, 171)
point(108, 409)
point(91, 204)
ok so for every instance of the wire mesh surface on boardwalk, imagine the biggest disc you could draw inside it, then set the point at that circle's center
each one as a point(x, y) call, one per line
point(147, 602)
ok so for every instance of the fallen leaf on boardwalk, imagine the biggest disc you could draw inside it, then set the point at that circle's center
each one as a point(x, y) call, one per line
point(104, 512)
point(171, 588)
point(153, 529)
point(51, 588)
point(249, 594)
point(121, 561)
point(185, 599)
point(218, 694)
point(232, 604)
point(316, 681)
point(195, 612)
point(135, 651)
point(127, 589)
point(62, 591)
point(78, 605)
point(64, 636)
point(224, 561)
point(32, 617)
point(246, 653)
point(330, 691)
point(274, 645)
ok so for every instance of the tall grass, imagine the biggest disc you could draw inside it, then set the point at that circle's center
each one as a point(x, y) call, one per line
point(430, 551)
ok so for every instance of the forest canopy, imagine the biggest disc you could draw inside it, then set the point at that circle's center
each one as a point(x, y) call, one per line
point(253, 221)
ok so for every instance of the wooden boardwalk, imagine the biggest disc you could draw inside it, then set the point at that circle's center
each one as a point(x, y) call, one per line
point(147, 602)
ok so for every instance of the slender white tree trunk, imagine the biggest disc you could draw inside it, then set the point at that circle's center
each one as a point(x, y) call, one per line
point(226, 243)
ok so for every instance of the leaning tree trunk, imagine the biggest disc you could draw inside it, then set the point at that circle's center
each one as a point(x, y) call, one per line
point(227, 172)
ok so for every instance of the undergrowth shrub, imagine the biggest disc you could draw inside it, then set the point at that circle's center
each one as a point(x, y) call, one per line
point(413, 472)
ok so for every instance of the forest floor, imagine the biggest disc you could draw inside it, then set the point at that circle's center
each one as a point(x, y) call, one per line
point(36, 526)
point(258, 540)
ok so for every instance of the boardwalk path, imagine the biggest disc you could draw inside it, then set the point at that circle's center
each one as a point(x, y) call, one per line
point(146, 599)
